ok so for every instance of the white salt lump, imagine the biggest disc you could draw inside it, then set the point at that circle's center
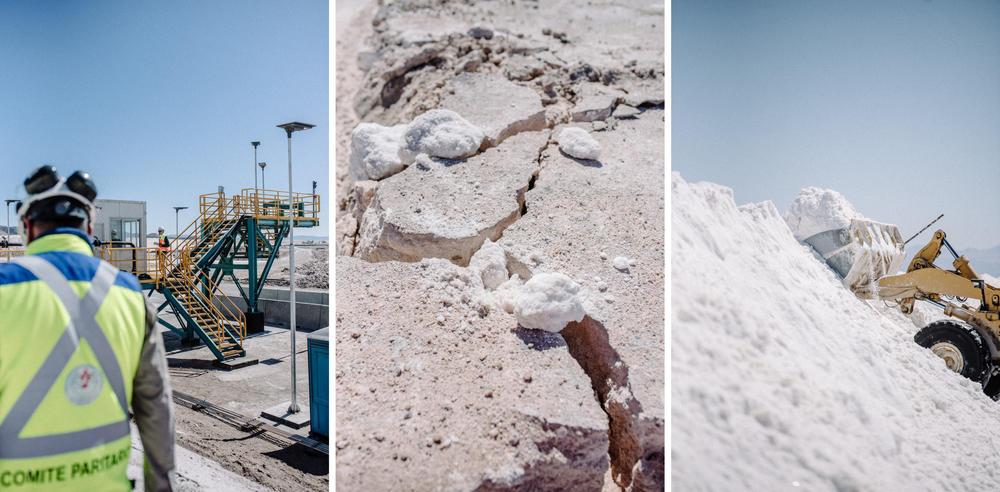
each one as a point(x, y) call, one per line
point(578, 143)
point(375, 151)
point(547, 302)
point(440, 133)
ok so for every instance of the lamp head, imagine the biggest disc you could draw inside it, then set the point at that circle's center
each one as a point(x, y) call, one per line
point(294, 127)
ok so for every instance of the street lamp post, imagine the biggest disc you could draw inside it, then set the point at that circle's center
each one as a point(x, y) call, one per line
point(8, 219)
point(255, 144)
point(177, 210)
point(254, 167)
point(262, 166)
point(289, 129)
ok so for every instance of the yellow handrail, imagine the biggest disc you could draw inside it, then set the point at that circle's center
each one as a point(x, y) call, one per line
point(137, 261)
point(273, 205)
point(239, 317)
point(6, 255)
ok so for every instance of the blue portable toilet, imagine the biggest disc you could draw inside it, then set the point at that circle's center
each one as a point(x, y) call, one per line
point(319, 382)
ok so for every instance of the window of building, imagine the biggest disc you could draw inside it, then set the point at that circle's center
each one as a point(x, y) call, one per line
point(126, 230)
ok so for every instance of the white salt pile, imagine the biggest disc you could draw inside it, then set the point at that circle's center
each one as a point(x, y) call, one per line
point(795, 382)
point(816, 210)
point(578, 143)
point(375, 151)
point(547, 302)
point(440, 133)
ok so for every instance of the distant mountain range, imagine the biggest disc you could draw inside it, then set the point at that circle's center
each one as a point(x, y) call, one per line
point(984, 260)
point(298, 237)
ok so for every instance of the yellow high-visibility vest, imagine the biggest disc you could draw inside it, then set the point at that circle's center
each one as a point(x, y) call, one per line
point(70, 339)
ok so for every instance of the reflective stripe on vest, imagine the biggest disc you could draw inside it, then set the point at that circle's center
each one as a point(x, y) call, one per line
point(82, 324)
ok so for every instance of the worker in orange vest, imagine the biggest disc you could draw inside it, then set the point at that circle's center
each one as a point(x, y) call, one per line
point(164, 243)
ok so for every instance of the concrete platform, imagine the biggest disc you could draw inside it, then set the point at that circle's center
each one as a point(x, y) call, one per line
point(236, 363)
point(279, 413)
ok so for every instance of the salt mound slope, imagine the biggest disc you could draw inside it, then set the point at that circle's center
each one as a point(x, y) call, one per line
point(816, 210)
point(781, 377)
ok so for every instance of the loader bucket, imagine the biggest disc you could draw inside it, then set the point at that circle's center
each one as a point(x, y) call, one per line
point(861, 253)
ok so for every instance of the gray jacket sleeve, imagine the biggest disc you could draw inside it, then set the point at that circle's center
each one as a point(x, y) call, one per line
point(151, 405)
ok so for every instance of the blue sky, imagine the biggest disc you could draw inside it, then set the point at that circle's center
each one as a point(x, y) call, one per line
point(160, 100)
point(896, 104)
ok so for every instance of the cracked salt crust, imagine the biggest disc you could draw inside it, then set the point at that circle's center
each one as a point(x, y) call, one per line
point(404, 81)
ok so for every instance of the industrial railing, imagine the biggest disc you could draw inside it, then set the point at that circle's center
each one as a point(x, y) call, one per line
point(259, 204)
point(273, 205)
point(213, 302)
point(6, 255)
point(144, 263)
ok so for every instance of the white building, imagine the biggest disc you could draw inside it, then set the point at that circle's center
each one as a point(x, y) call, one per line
point(121, 220)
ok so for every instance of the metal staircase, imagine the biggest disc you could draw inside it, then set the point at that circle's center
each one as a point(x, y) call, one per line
point(230, 234)
point(195, 298)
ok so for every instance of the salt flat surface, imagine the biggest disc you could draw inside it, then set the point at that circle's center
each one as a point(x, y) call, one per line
point(783, 379)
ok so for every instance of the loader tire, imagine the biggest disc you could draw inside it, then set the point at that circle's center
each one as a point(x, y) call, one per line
point(958, 344)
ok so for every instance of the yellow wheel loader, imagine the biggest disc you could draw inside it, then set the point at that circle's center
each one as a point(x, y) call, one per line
point(971, 346)
point(867, 255)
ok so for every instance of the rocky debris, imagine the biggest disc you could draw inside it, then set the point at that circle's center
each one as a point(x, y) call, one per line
point(481, 33)
point(498, 106)
point(375, 151)
point(313, 273)
point(440, 133)
point(595, 102)
point(523, 68)
point(390, 75)
point(424, 213)
point(576, 142)
point(625, 111)
point(643, 92)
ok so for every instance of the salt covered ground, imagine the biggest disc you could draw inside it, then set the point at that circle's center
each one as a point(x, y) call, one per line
point(468, 232)
point(782, 378)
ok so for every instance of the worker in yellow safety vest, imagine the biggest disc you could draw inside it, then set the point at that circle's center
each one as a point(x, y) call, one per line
point(78, 348)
